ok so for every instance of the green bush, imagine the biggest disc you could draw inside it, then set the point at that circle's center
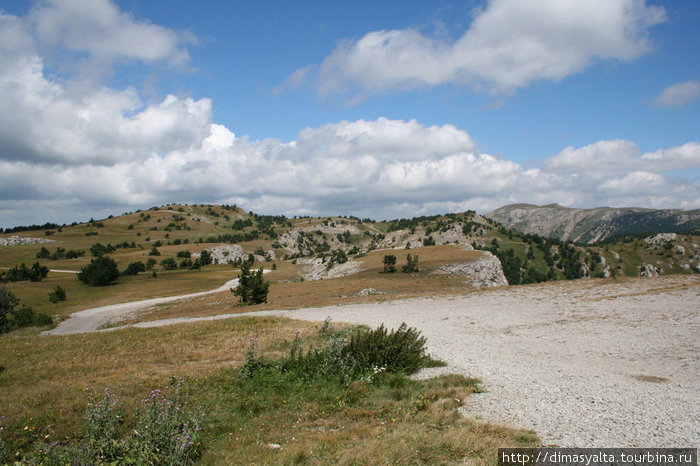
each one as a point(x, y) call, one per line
point(134, 268)
point(12, 318)
point(101, 271)
point(58, 294)
point(36, 273)
point(169, 263)
point(360, 355)
point(401, 350)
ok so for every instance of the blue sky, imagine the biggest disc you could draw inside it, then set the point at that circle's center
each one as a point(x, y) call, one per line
point(379, 109)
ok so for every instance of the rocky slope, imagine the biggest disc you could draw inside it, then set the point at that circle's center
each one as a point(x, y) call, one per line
point(592, 225)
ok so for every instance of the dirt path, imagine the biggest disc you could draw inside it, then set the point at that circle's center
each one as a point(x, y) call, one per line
point(584, 363)
point(90, 320)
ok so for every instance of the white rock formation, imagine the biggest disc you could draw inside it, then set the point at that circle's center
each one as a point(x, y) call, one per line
point(480, 273)
point(648, 270)
point(225, 253)
point(316, 269)
point(661, 238)
point(20, 240)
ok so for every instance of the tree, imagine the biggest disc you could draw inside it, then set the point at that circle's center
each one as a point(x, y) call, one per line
point(389, 263)
point(134, 268)
point(205, 257)
point(101, 271)
point(169, 263)
point(8, 301)
point(252, 288)
point(58, 294)
point(411, 264)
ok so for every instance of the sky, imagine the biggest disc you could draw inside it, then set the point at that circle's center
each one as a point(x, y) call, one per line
point(379, 109)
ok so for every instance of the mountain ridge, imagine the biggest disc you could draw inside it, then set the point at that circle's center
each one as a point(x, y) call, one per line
point(595, 224)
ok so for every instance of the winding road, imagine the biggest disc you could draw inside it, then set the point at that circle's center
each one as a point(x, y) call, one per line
point(90, 320)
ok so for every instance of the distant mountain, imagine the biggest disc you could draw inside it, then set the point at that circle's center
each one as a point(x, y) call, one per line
point(592, 225)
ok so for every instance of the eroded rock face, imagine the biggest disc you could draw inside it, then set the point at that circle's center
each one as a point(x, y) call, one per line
point(648, 270)
point(20, 240)
point(481, 273)
point(225, 253)
point(661, 238)
point(316, 269)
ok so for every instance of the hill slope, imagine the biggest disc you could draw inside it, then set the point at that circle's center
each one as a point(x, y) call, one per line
point(593, 225)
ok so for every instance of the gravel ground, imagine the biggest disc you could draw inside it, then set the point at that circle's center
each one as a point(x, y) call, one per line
point(584, 364)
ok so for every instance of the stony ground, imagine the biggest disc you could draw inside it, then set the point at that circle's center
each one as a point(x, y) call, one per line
point(588, 363)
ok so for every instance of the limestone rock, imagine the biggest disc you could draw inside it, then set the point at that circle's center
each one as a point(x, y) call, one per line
point(484, 272)
point(225, 254)
point(661, 238)
point(21, 240)
point(649, 270)
point(317, 269)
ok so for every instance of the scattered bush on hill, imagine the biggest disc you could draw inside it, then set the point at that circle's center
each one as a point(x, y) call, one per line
point(58, 294)
point(101, 271)
point(12, 318)
point(36, 273)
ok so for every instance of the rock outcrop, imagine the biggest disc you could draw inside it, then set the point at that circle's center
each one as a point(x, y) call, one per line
point(481, 273)
point(21, 240)
point(225, 254)
point(317, 269)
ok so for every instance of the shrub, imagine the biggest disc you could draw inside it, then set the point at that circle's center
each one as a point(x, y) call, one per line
point(411, 264)
point(205, 257)
point(101, 271)
point(401, 350)
point(134, 268)
point(389, 263)
point(12, 318)
point(168, 264)
point(362, 356)
point(58, 294)
point(252, 288)
point(154, 252)
point(36, 273)
point(165, 432)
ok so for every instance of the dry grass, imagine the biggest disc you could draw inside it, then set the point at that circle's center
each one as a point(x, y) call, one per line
point(48, 379)
point(287, 292)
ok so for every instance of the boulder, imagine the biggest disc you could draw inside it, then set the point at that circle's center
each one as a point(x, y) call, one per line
point(484, 272)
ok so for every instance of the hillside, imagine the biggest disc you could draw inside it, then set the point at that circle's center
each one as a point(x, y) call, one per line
point(593, 225)
point(312, 261)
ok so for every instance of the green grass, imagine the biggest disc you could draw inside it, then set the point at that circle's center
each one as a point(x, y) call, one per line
point(385, 419)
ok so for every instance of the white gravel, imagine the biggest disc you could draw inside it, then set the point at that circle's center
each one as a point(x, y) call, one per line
point(584, 364)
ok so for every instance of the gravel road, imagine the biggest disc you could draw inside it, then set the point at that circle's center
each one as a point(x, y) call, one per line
point(584, 363)
point(90, 320)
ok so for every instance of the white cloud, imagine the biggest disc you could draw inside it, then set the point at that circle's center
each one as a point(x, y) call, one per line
point(68, 154)
point(380, 169)
point(510, 44)
point(98, 27)
point(678, 94)
point(606, 158)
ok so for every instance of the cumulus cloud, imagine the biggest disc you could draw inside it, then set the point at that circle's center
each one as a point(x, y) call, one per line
point(678, 94)
point(372, 168)
point(604, 158)
point(68, 155)
point(101, 29)
point(509, 44)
